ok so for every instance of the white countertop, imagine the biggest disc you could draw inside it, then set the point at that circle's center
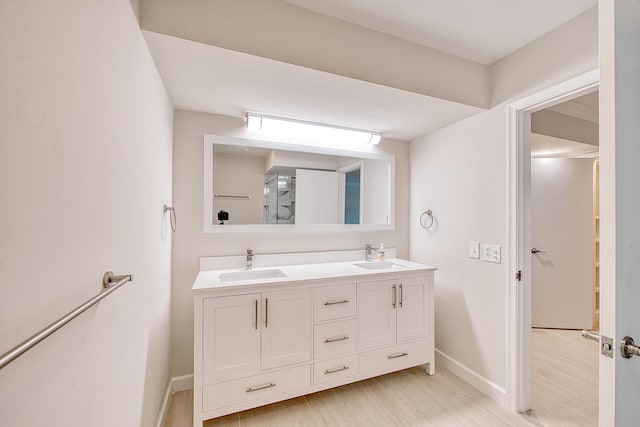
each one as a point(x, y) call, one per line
point(209, 280)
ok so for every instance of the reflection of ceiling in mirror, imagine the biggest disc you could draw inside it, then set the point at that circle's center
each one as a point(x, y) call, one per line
point(264, 152)
point(241, 149)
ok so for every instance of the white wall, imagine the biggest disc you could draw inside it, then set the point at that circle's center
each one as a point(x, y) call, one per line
point(461, 173)
point(562, 53)
point(85, 165)
point(190, 242)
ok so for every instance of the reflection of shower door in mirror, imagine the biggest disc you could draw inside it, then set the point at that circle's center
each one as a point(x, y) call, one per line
point(279, 198)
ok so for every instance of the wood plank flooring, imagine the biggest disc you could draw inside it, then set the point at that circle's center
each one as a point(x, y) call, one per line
point(565, 378)
point(565, 394)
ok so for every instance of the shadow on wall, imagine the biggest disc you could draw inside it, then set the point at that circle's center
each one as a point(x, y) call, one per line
point(458, 338)
point(157, 343)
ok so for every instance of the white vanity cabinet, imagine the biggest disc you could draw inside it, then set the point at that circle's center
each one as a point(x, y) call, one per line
point(395, 324)
point(258, 343)
point(391, 311)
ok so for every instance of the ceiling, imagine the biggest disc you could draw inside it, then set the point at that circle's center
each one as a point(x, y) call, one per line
point(584, 107)
point(205, 78)
point(200, 77)
point(480, 30)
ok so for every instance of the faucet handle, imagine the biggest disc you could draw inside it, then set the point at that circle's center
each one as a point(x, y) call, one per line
point(249, 251)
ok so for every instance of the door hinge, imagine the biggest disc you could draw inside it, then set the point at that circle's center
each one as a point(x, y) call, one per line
point(519, 276)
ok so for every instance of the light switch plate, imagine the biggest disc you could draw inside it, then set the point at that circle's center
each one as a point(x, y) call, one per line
point(491, 253)
point(474, 250)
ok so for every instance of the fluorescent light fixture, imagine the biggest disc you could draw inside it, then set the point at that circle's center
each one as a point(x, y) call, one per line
point(309, 131)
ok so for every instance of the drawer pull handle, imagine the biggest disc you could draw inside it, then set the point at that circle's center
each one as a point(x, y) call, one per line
point(333, 371)
point(251, 389)
point(401, 295)
point(344, 301)
point(397, 355)
point(328, 340)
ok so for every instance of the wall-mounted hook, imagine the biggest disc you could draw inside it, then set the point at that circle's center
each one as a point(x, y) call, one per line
point(172, 216)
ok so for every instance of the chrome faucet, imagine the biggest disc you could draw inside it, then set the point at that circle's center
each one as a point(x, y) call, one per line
point(249, 259)
point(368, 252)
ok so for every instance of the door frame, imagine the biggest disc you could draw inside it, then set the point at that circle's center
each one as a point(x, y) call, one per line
point(518, 387)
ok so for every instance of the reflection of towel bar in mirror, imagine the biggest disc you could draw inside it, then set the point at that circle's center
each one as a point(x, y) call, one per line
point(222, 196)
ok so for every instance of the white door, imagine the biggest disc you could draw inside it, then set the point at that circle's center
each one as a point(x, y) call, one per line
point(230, 337)
point(377, 303)
point(413, 318)
point(562, 230)
point(619, 35)
point(286, 327)
point(316, 197)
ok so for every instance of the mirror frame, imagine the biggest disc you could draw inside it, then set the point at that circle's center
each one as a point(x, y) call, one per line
point(367, 152)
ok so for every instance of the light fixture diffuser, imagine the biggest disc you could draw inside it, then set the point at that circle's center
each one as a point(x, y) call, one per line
point(305, 131)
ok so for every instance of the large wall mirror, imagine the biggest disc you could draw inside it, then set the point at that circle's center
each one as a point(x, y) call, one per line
point(259, 185)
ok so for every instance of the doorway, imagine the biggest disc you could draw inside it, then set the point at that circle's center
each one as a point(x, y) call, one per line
point(520, 296)
point(563, 208)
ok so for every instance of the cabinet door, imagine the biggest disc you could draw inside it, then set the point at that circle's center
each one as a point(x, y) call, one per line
point(286, 327)
point(376, 313)
point(413, 317)
point(230, 337)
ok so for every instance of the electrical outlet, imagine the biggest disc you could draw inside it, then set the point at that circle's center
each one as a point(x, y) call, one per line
point(474, 250)
point(491, 253)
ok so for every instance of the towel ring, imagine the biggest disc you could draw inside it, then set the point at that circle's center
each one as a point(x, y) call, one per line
point(423, 222)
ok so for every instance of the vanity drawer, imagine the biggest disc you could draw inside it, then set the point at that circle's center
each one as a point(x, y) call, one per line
point(394, 358)
point(255, 387)
point(335, 338)
point(333, 369)
point(334, 302)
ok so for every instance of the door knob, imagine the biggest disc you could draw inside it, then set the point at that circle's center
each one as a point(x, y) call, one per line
point(628, 348)
point(537, 251)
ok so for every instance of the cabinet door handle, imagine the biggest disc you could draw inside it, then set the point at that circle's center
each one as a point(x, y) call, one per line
point(251, 389)
point(397, 355)
point(328, 340)
point(333, 371)
point(344, 301)
point(256, 314)
point(400, 295)
point(266, 312)
point(394, 297)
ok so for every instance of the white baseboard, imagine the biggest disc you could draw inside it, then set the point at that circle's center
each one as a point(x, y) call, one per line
point(491, 389)
point(176, 384)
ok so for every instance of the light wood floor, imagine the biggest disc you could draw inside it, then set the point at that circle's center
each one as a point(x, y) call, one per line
point(565, 378)
point(565, 386)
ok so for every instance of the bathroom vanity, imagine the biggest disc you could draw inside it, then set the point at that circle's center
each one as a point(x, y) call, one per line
point(273, 333)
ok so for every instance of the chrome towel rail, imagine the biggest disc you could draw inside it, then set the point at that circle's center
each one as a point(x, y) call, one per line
point(223, 196)
point(109, 282)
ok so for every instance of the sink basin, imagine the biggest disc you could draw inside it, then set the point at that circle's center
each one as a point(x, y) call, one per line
point(236, 276)
point(375, 265)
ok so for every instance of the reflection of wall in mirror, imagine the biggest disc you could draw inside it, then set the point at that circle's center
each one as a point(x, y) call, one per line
point(375, 191)
point(239, 175)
